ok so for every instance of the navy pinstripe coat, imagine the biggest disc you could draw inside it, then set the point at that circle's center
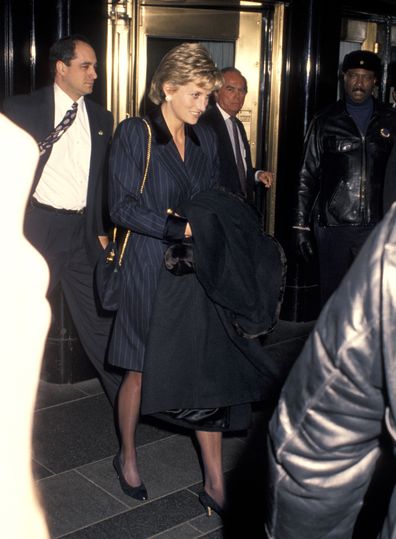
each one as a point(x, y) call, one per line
point(170, 182)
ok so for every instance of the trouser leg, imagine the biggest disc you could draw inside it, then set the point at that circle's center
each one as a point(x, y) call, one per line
point(60, 239)
point(93, 328)
point(337, 246)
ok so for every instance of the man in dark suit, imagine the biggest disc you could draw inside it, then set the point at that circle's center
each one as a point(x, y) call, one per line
point(236, 170)
point(64, 217)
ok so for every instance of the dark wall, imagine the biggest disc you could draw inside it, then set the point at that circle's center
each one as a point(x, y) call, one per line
point(370, 7)
point(309, 83)
point(28, 25)
point(312, 37)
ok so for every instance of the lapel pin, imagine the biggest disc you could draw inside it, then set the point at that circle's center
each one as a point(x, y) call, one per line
point(100, 132)
point(385, 132)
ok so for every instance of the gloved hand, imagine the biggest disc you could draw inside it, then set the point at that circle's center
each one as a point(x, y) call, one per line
point(303, 243)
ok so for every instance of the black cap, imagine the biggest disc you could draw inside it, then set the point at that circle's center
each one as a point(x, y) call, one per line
point(362, 60)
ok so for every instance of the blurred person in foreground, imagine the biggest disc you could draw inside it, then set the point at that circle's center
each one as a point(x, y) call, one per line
point(23, 332)
point(337, 411)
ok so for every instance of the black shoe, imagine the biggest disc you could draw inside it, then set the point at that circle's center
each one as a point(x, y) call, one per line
point(210, 504)
point(139, 492)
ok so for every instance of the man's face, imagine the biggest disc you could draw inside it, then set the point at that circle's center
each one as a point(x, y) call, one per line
point(359, 84)
point(231, 95)
point(77, 79)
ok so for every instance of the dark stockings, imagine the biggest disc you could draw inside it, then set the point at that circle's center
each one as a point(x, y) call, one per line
point(128, 417)
point(210, 444)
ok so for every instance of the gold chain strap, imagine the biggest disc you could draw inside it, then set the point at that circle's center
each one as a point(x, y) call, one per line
point(148, 155)
point(143, 183)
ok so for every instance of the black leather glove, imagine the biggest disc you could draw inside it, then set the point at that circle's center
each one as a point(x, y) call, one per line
point(303, 243)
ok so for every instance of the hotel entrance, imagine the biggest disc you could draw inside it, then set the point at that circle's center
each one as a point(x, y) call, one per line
point(246, 35)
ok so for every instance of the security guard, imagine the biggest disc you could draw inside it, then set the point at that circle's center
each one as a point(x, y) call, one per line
point(340, 188)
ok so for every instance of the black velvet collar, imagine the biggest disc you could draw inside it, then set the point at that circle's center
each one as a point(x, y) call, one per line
point(161, 132)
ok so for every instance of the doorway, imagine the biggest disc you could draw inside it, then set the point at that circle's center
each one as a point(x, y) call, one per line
point(246, 36)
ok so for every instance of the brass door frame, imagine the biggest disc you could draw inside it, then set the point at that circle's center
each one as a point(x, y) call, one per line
point(274, 112)
point(240, 27)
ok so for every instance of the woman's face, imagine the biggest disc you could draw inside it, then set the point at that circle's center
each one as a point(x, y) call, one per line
point(187, 102)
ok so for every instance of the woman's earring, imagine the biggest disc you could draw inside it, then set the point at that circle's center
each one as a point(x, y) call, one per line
point(168, 98)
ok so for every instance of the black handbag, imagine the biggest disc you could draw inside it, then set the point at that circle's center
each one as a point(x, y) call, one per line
point(108, 274)
point(108, 270)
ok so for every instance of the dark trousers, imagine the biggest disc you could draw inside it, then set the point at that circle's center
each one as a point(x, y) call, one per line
point(60, 240)
point(337, 247)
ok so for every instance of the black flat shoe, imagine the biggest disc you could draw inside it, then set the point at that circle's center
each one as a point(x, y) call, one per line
point(210, 504)
point(139, 492)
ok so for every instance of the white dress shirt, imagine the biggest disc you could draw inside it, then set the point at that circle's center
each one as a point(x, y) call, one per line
point(64, 181)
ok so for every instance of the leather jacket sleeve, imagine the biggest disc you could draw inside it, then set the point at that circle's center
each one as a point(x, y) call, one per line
point(308, 185)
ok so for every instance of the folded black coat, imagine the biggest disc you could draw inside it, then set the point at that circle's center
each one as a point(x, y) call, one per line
point(203, 349)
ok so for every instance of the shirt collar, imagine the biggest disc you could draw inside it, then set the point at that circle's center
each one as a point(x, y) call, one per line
point(223, 112)
point(63, 100)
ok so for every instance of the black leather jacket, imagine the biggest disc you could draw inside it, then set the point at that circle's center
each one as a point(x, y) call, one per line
point(343, 170)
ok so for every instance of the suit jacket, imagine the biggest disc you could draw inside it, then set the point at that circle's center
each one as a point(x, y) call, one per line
point(35, 113)
point(170, 182)
point(228, 169)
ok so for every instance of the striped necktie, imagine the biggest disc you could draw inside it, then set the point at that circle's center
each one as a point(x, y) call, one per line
point(59, 130)
point(238, 155)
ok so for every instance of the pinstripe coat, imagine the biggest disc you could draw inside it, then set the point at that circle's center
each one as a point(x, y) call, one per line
point(170, 182)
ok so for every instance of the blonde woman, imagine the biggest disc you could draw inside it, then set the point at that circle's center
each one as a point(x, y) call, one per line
point(183, 162)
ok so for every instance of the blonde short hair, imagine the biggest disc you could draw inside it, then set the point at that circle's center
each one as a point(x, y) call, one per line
point(188, 62)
